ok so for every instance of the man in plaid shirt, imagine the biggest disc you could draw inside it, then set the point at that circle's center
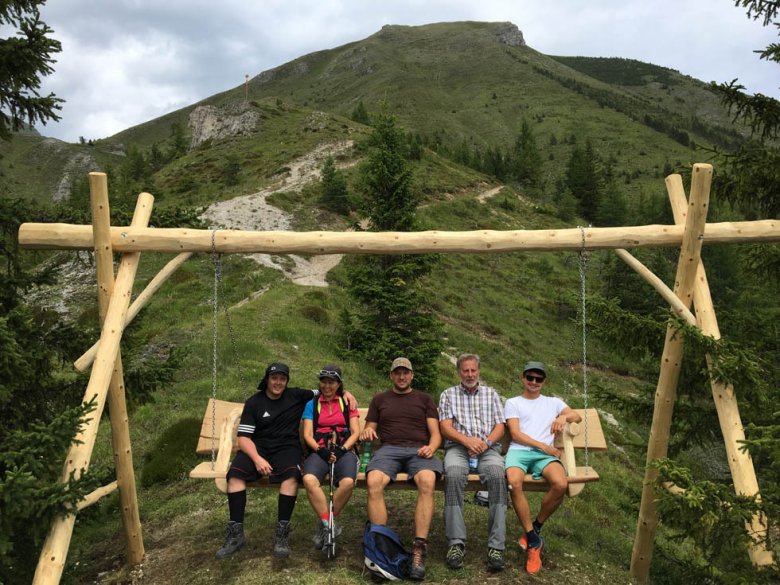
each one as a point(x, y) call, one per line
point(471, 418)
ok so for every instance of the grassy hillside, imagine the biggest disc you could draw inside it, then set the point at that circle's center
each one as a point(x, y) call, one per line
point(448, 83)
point(452, 84)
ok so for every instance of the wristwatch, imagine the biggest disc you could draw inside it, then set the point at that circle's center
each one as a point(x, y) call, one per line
point(489, 443)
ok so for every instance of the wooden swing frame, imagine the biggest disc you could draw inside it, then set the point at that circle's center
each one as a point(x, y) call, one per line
point(114, 292)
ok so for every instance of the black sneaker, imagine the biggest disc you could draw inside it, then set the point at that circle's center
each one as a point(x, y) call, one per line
point(234, 540)
point(455, 556)
point(495, 559)
point(419, 552)
point(282, 540)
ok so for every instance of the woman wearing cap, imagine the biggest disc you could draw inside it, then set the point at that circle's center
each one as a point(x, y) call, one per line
point(330, 431)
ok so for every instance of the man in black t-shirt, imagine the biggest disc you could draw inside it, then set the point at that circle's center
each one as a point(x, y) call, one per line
point(268, 445)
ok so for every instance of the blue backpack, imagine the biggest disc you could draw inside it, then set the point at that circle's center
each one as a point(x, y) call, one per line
point(385, 556)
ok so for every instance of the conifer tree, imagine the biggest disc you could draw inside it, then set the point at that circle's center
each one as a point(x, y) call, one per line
point(335, 196)
point(391, 317)
point(360, 114)
point(526, 158)
point(25, 56)
point(583, 179)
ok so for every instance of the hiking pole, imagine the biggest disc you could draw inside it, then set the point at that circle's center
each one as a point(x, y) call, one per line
point(330, 545)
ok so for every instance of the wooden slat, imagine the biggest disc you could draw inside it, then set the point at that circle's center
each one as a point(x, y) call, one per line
point(596, 439)
point(584, 475)
point(224, 409)
point(206, 471)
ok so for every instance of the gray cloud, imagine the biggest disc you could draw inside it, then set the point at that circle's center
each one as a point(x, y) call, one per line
point(127, 61)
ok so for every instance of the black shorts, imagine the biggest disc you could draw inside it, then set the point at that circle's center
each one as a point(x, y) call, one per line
point(286, 463)
point(347, 466)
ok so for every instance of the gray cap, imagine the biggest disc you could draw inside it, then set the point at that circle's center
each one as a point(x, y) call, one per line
point(539, 366)
point(401, 362)
point(331, 371)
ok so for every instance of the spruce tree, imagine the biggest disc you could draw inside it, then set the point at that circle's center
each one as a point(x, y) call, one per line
point(335, 196)
point(25, 57)
point(390, 317)
point(584, 181)
point(360, 114)
point(526, 158)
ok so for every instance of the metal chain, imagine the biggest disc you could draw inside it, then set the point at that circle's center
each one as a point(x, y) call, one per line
point(584, 254)
point(233, 344)
point(215, 258)
point(569, 384)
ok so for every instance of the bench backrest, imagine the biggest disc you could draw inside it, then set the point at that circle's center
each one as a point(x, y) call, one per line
point(218, 410)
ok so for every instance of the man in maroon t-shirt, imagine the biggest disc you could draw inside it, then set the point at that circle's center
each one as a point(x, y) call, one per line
point(407, 422)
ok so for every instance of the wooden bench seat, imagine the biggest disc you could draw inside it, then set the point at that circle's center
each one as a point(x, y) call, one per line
point(220, 426)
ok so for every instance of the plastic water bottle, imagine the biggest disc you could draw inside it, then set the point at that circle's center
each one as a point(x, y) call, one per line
point(473, 463)
point(365, 456)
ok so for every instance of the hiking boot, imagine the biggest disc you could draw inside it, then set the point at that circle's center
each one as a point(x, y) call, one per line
point(234, 540)
point(419, 552)
point(282, 540)
point(455, 556)
point(533, 561)
point(495, 559)
point(321, 534)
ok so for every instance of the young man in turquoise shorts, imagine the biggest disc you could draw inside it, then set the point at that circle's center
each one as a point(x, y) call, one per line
point(533, 421)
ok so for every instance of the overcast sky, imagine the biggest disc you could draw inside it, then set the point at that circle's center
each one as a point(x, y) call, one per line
point(124, 62)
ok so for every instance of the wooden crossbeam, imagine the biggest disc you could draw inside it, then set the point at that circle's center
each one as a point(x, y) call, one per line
point(126, 239)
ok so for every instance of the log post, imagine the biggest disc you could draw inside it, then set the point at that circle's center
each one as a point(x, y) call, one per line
point(117, 405)
point(55, 548)
point(666, 389)
point(743, 473)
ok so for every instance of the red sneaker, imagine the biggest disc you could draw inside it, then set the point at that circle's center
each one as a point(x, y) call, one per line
point(533, 560)
point(523, 542)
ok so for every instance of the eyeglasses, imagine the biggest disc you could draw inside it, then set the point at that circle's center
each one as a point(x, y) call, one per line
point(538, 379)
point(330, 374)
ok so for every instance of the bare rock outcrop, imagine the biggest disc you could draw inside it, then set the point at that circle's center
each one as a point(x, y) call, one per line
point(214, 123)
point(509, 34)
point(78, 165)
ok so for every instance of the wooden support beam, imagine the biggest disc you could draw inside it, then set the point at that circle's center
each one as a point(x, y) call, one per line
point(94, 496)
point(666, 389)
point(659, 285)
point(55, 547)
point(743, 473)
point(176, 240)
point(139, 303)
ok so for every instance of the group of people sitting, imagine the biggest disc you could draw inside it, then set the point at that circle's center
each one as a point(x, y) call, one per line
point(470, 421)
